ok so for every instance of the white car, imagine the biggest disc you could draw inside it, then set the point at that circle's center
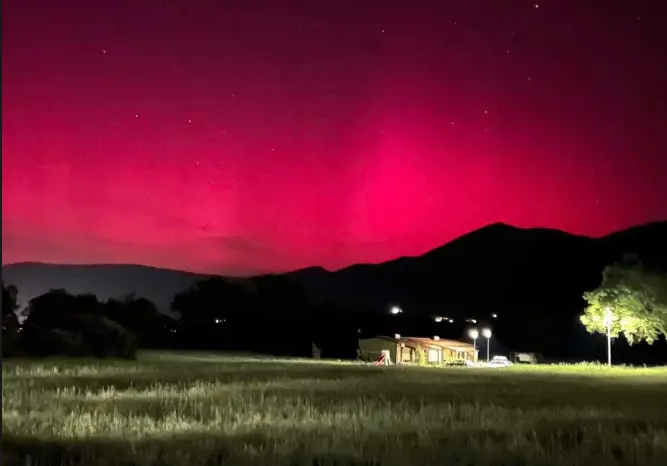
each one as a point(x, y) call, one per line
point(500, 361)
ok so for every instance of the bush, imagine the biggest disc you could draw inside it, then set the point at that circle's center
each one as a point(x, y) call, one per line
point(107, 338)
point(421, 356)
point(454, 362)
point(91, 335)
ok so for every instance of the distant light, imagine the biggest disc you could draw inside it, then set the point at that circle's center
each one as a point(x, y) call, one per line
point(438, 319)
point(395, 310)
point(219, 321)
point(451, 321)
point(436, 337)
point(486, 333)
point(474, 321)
point(495, 316)
point(473, 333)
point(397, 336)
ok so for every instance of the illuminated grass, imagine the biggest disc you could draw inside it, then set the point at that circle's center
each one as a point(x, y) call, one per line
point(204, 409)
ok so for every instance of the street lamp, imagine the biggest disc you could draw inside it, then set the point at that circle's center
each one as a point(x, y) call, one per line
point(607, 320)
point(486, 333)
point(474, 334)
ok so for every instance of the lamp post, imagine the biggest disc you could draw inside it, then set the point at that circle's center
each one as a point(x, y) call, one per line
point(473, 333)
point(486, 333)
point(607, 320)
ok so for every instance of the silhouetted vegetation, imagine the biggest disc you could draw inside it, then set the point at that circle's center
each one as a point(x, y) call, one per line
point(59, 323)
point(265, 314)
point(10, 323)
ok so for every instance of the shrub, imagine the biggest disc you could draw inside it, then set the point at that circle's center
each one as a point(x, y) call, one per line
point(421, 356)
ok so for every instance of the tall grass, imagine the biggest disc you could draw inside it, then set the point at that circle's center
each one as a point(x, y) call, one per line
point(202, 409)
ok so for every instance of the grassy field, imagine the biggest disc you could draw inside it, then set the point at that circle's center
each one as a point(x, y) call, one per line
point(199, 409)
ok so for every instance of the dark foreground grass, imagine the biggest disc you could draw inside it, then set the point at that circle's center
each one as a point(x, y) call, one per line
point(194, 409)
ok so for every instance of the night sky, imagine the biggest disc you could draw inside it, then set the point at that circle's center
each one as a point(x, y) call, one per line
point(246, 136)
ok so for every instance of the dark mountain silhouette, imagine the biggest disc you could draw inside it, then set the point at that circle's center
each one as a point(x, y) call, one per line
point(532, 278)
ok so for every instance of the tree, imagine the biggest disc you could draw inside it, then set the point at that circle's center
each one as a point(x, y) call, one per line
point(10, 323)
point(9, 304)
point(141, 317)
point(631, 301)
point(73, 325)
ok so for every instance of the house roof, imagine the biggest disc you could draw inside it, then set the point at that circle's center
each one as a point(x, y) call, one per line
point(413, 342)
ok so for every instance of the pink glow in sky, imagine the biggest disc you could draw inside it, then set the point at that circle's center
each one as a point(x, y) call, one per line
point(238, 137)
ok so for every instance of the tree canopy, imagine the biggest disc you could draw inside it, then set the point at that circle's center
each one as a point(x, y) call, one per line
point(9, 304)
point(631, 300)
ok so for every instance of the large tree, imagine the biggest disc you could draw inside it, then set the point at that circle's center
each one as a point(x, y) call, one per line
point(9, 304)
point(141, 317)
point(10, 323)
point(631, 301)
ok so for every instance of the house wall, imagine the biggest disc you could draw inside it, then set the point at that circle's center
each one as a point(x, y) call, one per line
point(468, 355)
point(448, 353)
point(371, 348)
point(434, 355)
point(408, 354)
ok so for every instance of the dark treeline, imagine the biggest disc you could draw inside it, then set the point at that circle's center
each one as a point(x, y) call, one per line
point(59, 323)
point(267, 314)
point(272, 314)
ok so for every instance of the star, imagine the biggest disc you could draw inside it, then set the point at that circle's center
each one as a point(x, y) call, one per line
point(536, 6)
point(189, 121)
point(136, 115)
point(104, 52)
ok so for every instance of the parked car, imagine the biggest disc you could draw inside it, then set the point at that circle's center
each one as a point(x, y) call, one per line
point(500, 361)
